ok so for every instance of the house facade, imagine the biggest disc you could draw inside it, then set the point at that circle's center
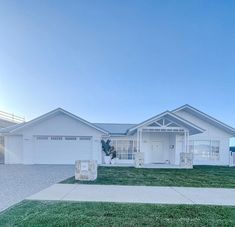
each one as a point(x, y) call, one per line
point(60, 137)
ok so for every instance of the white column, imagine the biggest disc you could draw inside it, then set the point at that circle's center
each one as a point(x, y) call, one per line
point(137, 140)
point(185, 141)
point(141, 140)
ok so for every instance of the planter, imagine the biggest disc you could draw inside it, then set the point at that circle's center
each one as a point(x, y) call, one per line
point(86, 170)
point(139, 159)
point(113, 161)
point(107, 159)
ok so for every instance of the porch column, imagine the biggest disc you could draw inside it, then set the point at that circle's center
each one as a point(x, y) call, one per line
point(141, 140)
point(187, 141)
point(137, 141)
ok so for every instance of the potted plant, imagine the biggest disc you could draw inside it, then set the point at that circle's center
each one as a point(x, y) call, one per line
point(107, 149)
point(113, 156)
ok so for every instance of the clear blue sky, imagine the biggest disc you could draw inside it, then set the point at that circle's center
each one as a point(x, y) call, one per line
point(117, 61)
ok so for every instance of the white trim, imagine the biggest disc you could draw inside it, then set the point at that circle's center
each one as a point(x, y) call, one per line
point(162, 115)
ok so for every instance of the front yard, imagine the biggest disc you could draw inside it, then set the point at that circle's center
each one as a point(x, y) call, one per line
point(62, 213)
point(51, 213)
point(199, 176)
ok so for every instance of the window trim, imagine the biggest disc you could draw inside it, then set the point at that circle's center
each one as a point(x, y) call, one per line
point(211, 156)
point(120, 148)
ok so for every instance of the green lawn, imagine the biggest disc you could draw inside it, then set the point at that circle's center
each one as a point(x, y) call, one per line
point(51, 213)
point(199, 176)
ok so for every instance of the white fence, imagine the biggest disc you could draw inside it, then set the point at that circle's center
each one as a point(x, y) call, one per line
point(11, 117)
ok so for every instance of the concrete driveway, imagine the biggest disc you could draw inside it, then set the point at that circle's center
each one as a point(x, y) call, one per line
point(20, 181)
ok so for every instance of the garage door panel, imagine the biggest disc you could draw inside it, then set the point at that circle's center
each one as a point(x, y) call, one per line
point(62, 150)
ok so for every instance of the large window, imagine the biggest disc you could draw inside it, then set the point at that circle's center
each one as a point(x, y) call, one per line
point(125, 149)
point(204, 149)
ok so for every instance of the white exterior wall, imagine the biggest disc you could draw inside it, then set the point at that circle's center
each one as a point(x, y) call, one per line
point(13, 150)
point(211, 133)
point(179, 147)
point(172, 141)
point(58, 125)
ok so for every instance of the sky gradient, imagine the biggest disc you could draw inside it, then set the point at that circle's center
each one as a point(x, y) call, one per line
point(117, 61)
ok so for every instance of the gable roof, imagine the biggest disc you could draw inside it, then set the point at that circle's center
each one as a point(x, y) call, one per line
point(18, 127)
point(206, 117)
point(171, 116)
point(123, 129)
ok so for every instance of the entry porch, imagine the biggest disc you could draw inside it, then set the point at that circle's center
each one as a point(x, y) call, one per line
point(162, 148)
point(162, 140)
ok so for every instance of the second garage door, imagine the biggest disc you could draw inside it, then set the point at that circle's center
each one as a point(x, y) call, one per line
point(62, 149)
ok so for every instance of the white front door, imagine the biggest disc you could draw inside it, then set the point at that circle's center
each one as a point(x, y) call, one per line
point(157, 152)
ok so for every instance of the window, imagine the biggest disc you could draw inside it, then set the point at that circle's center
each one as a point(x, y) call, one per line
point(42, 137)
point(215, 149)
point(204, 149)
point(125, 149)
point(56, 137)
point(70, 138)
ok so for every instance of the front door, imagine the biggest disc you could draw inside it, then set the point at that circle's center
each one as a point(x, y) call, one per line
point(157, 152)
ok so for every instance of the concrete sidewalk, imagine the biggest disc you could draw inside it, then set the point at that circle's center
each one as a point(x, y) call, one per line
point(137, 194)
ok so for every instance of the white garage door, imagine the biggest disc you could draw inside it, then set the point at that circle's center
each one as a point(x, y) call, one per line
point(62, 149)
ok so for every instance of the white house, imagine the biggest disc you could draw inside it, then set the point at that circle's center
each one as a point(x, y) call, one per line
point(60, 137)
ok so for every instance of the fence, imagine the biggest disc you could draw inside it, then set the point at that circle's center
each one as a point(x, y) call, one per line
point(11, 117)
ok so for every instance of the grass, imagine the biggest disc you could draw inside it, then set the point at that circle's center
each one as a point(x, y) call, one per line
point(51, 213)
point(199, 176)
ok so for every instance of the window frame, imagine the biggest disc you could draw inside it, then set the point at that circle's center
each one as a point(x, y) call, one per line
point(125, 148)
point(209, 155)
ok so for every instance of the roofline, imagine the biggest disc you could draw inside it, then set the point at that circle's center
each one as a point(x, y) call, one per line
point(114, 123)
point(162, 114)
point(53, 112)
point(204, 114)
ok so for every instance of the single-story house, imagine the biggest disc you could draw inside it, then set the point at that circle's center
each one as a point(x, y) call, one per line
point(60, 137)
